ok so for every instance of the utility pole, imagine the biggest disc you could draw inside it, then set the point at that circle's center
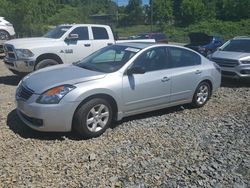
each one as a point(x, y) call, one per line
point(117, 12)
point(151, 14)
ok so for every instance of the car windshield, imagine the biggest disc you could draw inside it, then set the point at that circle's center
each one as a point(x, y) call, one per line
point(108, 59)
point(57, 32)
point(239, 45)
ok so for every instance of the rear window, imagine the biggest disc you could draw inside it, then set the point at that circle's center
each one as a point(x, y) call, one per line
point(100, 33)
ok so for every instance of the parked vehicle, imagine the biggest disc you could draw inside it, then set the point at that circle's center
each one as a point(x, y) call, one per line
point(159, 37)
point(115, 82)
point(234, 58)
point(7, 32)
point(203, 43)
point(63, 44)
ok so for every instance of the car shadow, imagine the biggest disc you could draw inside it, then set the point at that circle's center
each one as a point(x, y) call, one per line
point(235, 83)
point(20, 128)
point(156, 113)
point(12, 80)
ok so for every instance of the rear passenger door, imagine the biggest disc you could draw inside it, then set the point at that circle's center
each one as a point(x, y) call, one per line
point(186, 73)
point(100, 38)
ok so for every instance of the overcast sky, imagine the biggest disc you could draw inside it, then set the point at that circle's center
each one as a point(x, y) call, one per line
point(125, 2)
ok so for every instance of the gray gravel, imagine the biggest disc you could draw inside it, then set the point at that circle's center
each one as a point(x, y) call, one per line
point(174, 147)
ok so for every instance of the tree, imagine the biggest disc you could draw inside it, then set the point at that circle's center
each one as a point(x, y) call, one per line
point(134, 12)
point(163, 11)
point(235, 9)
point(192, 11)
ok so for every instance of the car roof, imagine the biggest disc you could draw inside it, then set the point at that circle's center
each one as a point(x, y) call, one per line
point(140, 45)
point(97, 25)
point(143, 45)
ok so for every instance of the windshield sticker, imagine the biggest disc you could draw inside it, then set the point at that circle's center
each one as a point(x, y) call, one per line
point(132, 49)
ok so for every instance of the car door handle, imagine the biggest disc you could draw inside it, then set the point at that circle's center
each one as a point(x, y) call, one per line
point(110, 44)
point(87, 45)
point(165, 79)
point(198, 71)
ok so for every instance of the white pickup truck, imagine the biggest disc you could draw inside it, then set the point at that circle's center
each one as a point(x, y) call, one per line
point(63, 44)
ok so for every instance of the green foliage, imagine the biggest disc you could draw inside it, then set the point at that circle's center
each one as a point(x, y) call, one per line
point(163, 11)
point(235, 9)
point(192, 11)
point(33, 17)
point(133, 11)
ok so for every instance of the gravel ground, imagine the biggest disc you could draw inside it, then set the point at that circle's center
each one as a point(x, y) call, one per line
point(174, 147)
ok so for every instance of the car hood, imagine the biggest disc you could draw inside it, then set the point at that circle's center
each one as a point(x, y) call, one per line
point(26, 43)
point(199, 39)
point(46, 78)
point(229, 55)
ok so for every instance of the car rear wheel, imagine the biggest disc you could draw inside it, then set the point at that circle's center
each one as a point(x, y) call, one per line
point(45, 63)
point(93, 118)
point(201, 95)
point(4, 35)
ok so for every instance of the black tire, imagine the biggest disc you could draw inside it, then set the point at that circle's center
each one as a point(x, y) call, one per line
point(4, 35)
point(93, 128)
point(201, 95)
point(45, 63)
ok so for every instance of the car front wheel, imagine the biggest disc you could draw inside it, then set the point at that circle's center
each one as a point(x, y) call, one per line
point(201, 95)
point(93, 118)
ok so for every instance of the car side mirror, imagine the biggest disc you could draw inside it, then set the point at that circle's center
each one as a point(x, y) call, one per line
point(136, 70)
point(72, 37)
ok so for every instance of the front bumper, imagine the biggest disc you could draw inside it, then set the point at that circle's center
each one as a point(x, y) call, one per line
point(21, 66)
point(240, 71)
point(46, 118)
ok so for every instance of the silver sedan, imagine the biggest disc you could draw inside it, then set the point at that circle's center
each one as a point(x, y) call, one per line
point(115, 82)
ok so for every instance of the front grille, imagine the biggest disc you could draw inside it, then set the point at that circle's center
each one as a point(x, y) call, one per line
point(23, 93)
point(9, 51)
point(226, 62)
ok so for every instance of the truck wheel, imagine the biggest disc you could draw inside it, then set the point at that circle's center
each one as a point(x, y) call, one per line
point(201, 95)
point(4, 35)
point(93, 118)
point(45, 63)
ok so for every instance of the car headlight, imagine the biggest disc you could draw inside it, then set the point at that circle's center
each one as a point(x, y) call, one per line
point(54, 95)
point(245, 61)
point(24, 53)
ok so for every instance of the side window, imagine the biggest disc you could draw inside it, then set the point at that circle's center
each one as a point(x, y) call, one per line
point(100, 33)
point(82, 32)
point(181, 57)
point(152, 60)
